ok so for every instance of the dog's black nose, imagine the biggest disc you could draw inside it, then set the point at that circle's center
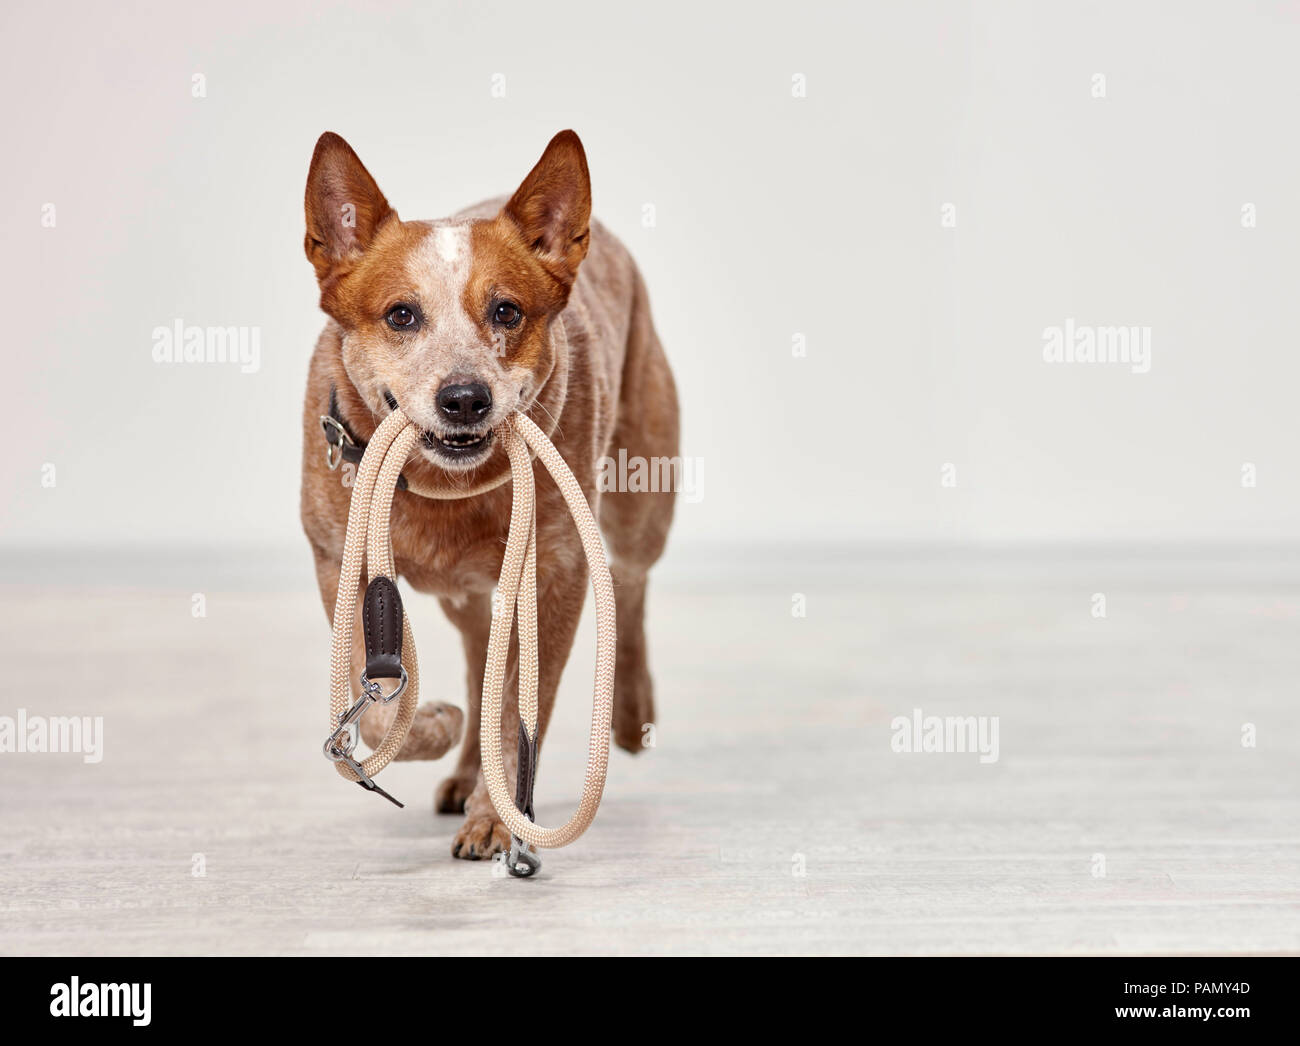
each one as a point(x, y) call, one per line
point(464, 403)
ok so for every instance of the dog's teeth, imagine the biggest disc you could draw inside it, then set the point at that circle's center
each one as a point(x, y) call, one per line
point(460, 441)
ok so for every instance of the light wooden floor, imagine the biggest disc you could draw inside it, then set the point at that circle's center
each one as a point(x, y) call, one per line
point(1119, 737)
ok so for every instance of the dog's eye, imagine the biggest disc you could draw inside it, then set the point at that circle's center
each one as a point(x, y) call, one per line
point(402, 317)
point(507, 314)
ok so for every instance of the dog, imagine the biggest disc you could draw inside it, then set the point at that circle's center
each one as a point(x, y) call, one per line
point(521, 304)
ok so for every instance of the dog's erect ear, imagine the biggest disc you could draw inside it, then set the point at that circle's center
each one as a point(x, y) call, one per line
point(552, 208)
point(344, 208)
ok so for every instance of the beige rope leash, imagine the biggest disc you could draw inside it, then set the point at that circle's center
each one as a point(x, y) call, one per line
point(517, 597)
point(368, 513)
point(368, 537)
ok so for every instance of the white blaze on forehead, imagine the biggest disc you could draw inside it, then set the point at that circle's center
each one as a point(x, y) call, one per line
point(448, 241)
point(440, 269)
point(442, 257)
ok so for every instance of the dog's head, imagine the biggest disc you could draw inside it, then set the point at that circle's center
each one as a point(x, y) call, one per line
point(448, 319)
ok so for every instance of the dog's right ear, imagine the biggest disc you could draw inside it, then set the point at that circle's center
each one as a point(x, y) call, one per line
point(344, 208)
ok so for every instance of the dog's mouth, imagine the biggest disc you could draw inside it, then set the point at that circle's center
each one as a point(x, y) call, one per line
point(458, 446)
point(464, 447)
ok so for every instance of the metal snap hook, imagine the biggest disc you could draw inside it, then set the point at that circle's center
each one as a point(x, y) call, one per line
point(523, 860)
point(375, 692)
point(336, 748)
point(340, 745)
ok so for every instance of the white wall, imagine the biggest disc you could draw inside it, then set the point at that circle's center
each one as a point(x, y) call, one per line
point(775, 215)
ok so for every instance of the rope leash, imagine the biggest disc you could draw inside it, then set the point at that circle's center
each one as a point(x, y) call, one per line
point(390, 646)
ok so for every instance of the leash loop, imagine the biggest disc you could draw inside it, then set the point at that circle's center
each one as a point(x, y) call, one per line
point(517, 601)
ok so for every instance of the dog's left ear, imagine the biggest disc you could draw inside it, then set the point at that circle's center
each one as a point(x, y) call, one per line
point(552, 208)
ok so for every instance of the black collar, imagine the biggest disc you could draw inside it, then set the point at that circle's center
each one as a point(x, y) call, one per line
point(343, 444)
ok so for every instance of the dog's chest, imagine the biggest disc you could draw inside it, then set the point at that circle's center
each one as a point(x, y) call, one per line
point(451, 549)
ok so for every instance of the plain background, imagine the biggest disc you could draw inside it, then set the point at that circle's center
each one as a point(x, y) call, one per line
point(826, 583)
point(774, 216)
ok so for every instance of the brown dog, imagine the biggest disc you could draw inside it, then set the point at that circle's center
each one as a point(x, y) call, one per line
point(461, 322)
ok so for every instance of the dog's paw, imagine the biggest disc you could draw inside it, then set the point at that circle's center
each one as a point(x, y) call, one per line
point(435, 728)
point(481, 836)
point(452, 793)
point(634, 709)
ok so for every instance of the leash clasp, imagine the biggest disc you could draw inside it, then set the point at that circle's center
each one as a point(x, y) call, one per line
point(523, 860)
point(340, 745)
point(374, 692)
point(336, 749)
point(336, 438)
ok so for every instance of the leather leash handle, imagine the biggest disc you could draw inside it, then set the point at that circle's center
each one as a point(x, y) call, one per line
point(381, 617)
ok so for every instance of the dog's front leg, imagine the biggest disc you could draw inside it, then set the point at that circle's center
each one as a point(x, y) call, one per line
point(472, 615)
point(560, 594)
